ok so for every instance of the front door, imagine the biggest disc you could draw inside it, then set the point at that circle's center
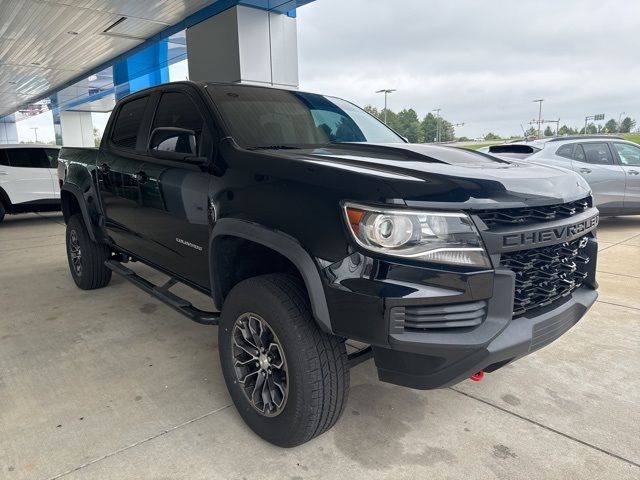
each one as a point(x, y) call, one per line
point(119, 166)
point(595, 162)
point(629, 156)
point(174, 201)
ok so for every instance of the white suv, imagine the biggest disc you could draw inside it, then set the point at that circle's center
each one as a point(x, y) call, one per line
point(28, 180)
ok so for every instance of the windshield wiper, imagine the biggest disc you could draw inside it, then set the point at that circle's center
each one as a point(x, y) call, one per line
point(274, 147)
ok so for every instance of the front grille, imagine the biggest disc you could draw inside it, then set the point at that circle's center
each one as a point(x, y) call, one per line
point(525, 216)
point(430, 317)
point(547, 274)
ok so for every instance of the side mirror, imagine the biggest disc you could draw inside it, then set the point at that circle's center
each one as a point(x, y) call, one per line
point(172, 143)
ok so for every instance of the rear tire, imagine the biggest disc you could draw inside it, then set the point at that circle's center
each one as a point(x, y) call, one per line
point(308, 380)
point(3, 211)
point(86, 257)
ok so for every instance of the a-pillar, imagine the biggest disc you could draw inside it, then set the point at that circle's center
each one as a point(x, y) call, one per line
point(247, 45)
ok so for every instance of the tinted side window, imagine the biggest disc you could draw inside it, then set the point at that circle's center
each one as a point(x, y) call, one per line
point(28, 158)
point(52, 155)
point(565, 151)
point(3, 158)
point(176, 110)
point(127, 124)
point(594, 153)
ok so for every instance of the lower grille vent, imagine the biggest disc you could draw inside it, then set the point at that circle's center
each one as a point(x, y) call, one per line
point(421, 318)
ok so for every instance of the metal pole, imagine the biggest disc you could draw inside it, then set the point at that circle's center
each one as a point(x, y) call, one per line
point(437, 110)
point(620, 120)
point(585, 125)
point(540, 100)
point(386, 92)
point(385, 106)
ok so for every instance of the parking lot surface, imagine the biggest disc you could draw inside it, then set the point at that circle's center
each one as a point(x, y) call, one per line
point(113, 384)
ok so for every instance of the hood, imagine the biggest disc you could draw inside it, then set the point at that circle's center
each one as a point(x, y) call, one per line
point(435, 176)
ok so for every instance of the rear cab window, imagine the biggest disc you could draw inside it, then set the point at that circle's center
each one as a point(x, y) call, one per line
point(127, 124)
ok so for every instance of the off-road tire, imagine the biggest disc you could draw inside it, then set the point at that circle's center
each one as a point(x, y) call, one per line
point(317, 371)
point(93, 273)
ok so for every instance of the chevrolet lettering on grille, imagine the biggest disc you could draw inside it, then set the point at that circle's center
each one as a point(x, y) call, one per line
point(544, 236)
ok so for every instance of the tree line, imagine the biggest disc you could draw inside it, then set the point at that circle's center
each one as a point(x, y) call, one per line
point(407, 123)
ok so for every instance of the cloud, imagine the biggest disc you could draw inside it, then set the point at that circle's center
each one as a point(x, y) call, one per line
point(482, 62)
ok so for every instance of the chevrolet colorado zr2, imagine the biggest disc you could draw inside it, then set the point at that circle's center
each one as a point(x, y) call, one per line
point(309, 222)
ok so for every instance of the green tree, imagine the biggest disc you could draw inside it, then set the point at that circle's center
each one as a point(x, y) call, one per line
point(548, 132)
point(565, 130)
point(492, 136)
point(532, 131)
point(592, 129)
point(627, 125)
point(372, 110)
point(447, 131)
point(611, 126)
point(408, 125)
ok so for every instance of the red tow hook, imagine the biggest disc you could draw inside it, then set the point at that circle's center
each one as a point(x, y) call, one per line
point(477, 377)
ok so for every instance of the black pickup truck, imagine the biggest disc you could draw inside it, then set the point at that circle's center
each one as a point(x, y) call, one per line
point(308, 222)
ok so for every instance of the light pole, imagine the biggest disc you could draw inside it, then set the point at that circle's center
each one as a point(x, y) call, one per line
point(620, 120)
point(539, 101)
point(386, 92)
point(437, 110)
point(35, 131)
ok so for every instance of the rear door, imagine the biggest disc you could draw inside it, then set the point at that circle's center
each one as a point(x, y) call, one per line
point(629, 158)
point(26, 177)
point(596, 163)
point(119, 164)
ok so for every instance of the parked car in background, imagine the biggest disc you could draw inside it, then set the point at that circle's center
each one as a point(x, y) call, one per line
point(28, 179)
point(610, 164)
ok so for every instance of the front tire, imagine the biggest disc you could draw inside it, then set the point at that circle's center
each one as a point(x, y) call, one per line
point(2, 212)
point(288, 380)
point(86, 257)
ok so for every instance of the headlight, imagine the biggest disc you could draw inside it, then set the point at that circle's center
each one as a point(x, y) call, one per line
point(438, 237)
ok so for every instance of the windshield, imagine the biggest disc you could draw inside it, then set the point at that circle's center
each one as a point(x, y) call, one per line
point(261, 117)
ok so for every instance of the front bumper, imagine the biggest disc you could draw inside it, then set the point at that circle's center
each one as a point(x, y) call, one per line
point(416, 361)
point(363, 296)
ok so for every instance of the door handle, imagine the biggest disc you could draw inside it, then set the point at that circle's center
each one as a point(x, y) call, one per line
point(3, 173)
point(634, 172)
point(585, 170)
point(140, 177)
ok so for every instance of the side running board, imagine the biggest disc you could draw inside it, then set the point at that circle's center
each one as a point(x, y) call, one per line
point(164, 295)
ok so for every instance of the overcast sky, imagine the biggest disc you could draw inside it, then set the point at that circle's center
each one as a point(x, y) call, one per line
point(481, 61)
